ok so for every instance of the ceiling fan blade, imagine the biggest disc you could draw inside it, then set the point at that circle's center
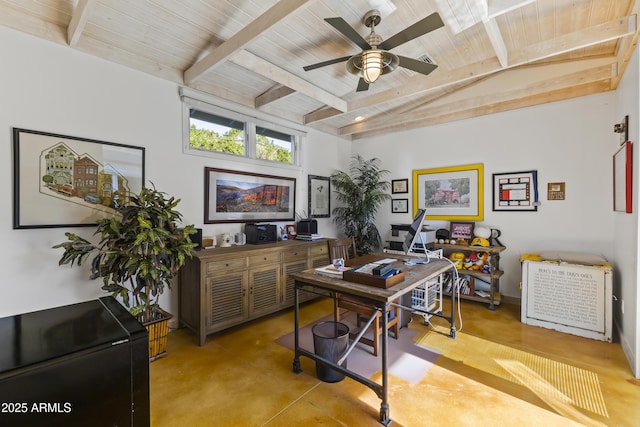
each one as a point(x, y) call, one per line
point(322, 64)
point(348, 31)
point(415, 65)
point(424, 26)
point(362, 85)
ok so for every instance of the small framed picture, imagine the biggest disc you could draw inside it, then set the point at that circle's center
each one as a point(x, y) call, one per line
point(399, 205)
point(319, 196)
point(291, 231)
point(400, 186)
point(461, 230)
point(555, 191)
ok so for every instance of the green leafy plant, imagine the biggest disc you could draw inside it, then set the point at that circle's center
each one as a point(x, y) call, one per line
point(140, 251)
point(360, 193)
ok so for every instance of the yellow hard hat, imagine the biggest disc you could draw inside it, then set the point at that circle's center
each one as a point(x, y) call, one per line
point(480, 241)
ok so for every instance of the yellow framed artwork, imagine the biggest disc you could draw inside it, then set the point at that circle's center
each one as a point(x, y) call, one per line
point(450, 193)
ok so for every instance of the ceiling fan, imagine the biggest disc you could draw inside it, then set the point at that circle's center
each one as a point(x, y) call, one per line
point(375, 58)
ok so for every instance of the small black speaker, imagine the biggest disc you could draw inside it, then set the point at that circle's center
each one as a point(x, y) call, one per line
point(197, 239)
point(307, 226)
point(260, 233)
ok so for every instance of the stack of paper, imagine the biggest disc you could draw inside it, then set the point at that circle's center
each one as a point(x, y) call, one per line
point(331, 271)
point(308, 237)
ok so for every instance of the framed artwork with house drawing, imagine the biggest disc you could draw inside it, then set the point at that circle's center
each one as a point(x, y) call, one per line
point(68, 181)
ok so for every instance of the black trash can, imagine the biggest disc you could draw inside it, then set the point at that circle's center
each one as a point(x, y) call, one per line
point(330, 341)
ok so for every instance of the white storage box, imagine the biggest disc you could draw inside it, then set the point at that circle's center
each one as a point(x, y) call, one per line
point(568, 292)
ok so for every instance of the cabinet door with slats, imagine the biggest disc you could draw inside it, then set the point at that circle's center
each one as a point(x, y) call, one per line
point(227, 300)
point(289, 283)
point(264, 294)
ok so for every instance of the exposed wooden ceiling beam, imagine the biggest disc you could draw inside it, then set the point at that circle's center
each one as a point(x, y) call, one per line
point(563, 81)
point(626, 48)
point(577, 40)
point(277, 74)
point(460, 15)
point(273, 94)
point(320, 114)
point(238, 41)
point(601, 72)
point(78, 21)
point(407, 108)
point(102, 49)
point(483, 110)
point(491, 26)
point(13, 17)
point(580, 39)
point(500, 7)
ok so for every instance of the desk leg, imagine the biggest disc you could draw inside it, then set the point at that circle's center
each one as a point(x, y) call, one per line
point(296, 317)
point(384, 405)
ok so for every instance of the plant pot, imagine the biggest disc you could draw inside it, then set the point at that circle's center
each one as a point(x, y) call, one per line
point(158, 334)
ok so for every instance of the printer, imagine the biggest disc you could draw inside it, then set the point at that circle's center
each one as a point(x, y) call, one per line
point(398, 233)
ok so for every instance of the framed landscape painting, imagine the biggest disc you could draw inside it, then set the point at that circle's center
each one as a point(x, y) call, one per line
point(233, 196)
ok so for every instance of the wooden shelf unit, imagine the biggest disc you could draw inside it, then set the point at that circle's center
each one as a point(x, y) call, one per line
point(225, 287)
point(493, 277)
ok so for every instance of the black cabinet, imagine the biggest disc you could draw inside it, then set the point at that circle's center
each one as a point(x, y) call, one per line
point(76, 365)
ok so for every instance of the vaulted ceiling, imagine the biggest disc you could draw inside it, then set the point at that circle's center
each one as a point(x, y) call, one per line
point(491, 55)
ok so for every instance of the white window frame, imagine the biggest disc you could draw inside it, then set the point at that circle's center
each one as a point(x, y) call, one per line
point(251, 122)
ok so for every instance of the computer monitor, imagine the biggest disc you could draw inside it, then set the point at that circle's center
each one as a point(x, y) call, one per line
point(413, 236)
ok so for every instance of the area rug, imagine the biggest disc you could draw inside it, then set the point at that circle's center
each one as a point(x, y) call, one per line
point(407, 360)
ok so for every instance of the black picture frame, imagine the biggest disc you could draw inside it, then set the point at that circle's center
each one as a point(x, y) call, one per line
point(399, 186)
point(235, 196)
point(319, 196)
point(515, 191)
point(399, 205)
point(69, 181)
point(461, 230)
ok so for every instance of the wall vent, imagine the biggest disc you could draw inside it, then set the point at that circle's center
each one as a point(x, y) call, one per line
point(425, 58)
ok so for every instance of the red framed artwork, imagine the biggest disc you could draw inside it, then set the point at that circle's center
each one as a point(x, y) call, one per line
point(622, 179)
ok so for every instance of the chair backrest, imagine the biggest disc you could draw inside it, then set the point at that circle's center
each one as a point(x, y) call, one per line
point(341, 248)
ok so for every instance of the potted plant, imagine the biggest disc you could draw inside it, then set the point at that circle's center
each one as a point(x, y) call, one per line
point(361, 192)
point(140, 251)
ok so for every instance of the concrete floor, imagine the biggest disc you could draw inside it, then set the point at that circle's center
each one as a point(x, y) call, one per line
point(497, 372)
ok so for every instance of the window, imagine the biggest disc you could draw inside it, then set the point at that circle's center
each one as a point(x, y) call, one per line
point(215, 131)
point(274, 145)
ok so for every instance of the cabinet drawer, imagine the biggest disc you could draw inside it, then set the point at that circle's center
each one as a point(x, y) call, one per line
point(296, 254)
point(318, 250)
point(272, 257)
point(215, 267)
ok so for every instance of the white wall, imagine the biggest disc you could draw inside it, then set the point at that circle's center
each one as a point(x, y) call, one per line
point(569, 141)
point(625, 229)
point(52, 88)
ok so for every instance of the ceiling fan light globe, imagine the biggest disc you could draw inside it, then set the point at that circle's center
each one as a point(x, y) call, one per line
point(372, 65)
point(386, 62)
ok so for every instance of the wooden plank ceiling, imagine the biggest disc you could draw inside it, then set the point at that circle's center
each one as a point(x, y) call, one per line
point(492, 55)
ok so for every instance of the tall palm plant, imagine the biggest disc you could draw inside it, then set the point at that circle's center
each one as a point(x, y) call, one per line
point(360, 193)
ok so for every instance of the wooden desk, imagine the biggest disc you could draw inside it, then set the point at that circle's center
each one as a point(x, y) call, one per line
point(415, 275)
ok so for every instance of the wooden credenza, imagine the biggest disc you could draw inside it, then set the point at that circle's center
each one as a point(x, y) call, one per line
point(224, 287)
